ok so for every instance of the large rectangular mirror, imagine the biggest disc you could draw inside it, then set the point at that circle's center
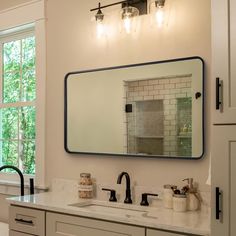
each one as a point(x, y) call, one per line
point(152, 109)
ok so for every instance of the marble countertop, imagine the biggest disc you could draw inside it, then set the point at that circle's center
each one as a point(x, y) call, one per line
point(155, 217)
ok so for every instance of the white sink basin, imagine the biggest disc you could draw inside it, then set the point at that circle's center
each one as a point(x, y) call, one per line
point(127, 210)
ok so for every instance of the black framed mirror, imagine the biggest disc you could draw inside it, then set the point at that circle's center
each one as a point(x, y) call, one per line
point(153, 109)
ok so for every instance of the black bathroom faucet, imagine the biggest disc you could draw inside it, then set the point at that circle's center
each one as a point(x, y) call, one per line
point(22, 185)
point(128, 190)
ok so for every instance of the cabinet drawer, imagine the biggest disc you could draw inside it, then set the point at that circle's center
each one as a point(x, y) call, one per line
point(27, 220)
point(61, 225)
point(152, 232)
point(15, 233)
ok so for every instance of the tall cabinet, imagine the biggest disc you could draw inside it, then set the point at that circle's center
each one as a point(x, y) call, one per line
point(224, 61)
point(223, 143)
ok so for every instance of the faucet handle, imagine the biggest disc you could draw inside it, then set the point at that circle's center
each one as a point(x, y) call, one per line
point(31, 186)
point(144, 201)
point(113, 194)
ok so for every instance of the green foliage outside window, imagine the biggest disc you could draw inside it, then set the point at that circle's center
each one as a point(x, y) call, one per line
point(17, 120)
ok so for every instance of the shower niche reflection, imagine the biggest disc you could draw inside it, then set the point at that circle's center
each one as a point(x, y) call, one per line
point(148, 138)
point(159, 117)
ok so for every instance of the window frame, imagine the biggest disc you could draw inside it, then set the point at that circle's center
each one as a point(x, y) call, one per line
point(17, 17)
point(8, 37)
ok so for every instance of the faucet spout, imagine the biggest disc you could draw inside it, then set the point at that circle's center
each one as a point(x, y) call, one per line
point(128, 189)
point(22, 186)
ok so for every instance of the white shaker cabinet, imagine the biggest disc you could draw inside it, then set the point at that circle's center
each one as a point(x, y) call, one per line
point(223, 180)
point(153, 232)
point(224, 61)
point(61, 225)
point(27, 221)
point(223, 141)
point(46, 223)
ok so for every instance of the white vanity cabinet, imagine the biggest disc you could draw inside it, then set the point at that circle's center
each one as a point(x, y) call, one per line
point(47, 223)
point(224, 60)
point(60, 225)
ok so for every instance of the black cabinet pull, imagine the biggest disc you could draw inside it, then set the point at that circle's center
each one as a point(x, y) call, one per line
point(218, 195)
point(24, 221)
point(218, 87)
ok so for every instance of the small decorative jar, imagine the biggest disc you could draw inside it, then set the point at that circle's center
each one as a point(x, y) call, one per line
point(180, 202)
point(85, 186)
point(168, 195)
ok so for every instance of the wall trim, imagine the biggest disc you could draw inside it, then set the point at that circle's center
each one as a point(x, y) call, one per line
point(19, 5)
point(22, 14)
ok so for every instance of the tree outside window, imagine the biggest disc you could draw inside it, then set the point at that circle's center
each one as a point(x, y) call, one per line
point(17, 107)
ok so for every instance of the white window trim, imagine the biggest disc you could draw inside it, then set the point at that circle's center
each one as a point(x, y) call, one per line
point(12, 18)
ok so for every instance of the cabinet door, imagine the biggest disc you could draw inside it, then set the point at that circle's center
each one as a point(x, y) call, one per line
point(224, 178)
point(62, 225)
point(224, 59)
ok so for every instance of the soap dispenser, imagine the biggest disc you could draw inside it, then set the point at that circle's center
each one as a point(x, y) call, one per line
point(193, 202)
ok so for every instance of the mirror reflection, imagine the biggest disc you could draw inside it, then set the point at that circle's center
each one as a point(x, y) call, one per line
point(150, 110)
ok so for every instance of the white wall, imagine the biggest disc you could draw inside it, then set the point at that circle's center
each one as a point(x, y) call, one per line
point(4, 4)
point(72, 46)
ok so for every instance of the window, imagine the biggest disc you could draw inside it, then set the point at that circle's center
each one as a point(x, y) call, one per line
point(28, 31)
point(17, 101)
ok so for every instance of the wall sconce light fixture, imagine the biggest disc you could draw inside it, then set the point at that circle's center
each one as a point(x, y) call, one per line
point(159, 12)
point(99, 21)
point(128, 15)
point(130, 9)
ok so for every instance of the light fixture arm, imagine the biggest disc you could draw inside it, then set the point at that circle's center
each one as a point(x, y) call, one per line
point(108, 5)
point(129, 2)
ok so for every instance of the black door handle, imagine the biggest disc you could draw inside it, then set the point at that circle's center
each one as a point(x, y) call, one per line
point(218, 210)
point(218, 87)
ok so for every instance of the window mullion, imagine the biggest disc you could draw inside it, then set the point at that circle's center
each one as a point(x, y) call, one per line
point(17, 104)
point(1, 97)
point(19, 143)
point(1, 71)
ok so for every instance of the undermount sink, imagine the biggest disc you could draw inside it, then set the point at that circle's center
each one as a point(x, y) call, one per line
point(112, 208)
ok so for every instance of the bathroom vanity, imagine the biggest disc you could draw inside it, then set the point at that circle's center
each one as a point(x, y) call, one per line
point(51, 214)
